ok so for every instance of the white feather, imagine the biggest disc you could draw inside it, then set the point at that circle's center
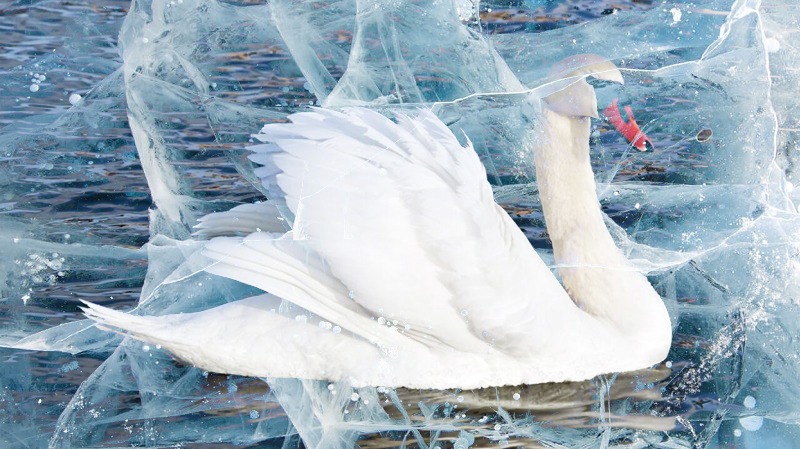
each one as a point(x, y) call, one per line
point(397, 239)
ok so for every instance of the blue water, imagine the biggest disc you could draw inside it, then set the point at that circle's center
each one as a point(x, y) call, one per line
point(711, 213)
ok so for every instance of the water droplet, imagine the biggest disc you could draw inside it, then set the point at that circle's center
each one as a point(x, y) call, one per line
point(772, 45)
point(704, 135)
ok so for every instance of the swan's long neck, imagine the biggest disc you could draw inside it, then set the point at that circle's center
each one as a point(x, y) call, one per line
point(594, 271)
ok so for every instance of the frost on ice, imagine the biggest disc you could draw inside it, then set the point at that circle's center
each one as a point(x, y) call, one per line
point(710, 215)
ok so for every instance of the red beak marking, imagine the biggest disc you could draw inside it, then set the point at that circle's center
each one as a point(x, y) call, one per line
point(629, 130)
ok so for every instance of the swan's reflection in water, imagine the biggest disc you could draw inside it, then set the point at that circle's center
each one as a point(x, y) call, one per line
point(512, 416)
point(627, 409)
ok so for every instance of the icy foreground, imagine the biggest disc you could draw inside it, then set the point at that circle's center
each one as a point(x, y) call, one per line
point(710, 216)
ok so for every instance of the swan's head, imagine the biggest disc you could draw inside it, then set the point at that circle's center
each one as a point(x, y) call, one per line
point(574, 97)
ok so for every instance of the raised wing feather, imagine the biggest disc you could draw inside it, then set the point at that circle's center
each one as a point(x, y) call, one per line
point(404, 217)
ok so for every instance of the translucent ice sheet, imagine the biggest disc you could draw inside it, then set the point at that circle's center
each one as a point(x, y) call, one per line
point(710, 215)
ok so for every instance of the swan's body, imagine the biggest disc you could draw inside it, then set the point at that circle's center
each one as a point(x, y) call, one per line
point(396, 221)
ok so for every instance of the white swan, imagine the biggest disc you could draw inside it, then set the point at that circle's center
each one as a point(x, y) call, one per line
point(411, 273)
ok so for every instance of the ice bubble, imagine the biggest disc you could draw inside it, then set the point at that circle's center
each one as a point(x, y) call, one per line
point(325, 325)
point(460, 399)
point(336, 329)
point(301, 318)
point(74, 99)
point(749, 402)
point(751, 423)
point(637, 206)
point(461, 443)
point(668, 364)
point(354, 397)
point(737, 432)
point(516, 396)
point(381, 320)
point(42, 78)
point(254, 414)
point(34, 88)
point(330, 387)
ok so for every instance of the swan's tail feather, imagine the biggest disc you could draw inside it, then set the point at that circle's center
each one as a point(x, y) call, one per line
point(150, 329)
point(246, 337)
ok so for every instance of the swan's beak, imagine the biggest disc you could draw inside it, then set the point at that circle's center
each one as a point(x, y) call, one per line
point(630, 129)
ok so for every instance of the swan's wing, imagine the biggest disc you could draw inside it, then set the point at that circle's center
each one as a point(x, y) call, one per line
point(242, 220)
point(404, 217)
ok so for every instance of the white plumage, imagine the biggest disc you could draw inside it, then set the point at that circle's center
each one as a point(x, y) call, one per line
point(419, 277)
